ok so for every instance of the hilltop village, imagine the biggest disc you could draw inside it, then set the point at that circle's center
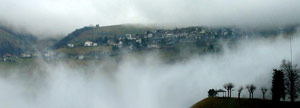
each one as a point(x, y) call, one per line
point(202, 39)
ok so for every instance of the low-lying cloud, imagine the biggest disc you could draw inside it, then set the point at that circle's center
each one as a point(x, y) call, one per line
point(145, 81)
point(48, 18)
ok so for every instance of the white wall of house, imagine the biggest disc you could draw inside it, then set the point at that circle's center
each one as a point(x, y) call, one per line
point(95, 44)
point(81, 57)
point(88, 43)
point(70, 45)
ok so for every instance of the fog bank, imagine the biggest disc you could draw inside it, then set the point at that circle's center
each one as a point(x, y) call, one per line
point(144, 82)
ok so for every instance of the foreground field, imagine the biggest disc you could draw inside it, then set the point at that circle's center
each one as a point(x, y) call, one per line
point(242, 103)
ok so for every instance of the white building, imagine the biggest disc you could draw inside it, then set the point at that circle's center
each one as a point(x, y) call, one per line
point(25, 55)
point(202, 31)
point(153, 46)
point(139, 40)
point(70, 45)
point(120, 44)
point(95, 44)
point(49, 54)
point(149, 35)
point(81, 57)
point(88, 43)
point(129, 37)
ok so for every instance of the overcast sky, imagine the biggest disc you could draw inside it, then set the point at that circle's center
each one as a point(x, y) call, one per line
point(60, 17)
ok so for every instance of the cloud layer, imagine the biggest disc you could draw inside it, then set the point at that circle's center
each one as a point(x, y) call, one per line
point(144, 81)
point(56, 17)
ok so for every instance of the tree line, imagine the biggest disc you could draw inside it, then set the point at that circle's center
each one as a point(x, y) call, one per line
point(285, 82)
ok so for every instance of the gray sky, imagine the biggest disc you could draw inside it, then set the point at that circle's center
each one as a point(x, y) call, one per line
point(59, 17)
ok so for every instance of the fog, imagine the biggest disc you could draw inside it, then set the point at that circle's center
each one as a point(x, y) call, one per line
point(144, 81)
point(52, 18)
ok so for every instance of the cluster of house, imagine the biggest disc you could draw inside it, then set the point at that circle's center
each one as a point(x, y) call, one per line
point(86, 44)
point(165, 38)
point(90, 44)
point(12, 58)
point(161, 38)
point(149, 40)
point(7, 58)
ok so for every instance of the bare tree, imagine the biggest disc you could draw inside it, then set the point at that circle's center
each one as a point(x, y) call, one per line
point(240, 91)
point(226, 88)
point(248, 88)
point(229, 88)
point(251, 88)
point(292, 78)
point(263, 90)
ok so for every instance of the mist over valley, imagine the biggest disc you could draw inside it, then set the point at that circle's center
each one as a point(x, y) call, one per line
point(149, 54)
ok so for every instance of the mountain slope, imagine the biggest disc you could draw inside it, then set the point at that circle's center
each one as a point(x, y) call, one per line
point(9, 43)
point(14, 43)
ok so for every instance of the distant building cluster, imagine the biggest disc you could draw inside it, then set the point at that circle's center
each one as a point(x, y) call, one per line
point(163, 38)
point(90, 44)
point(203, 37)
point(12, 58)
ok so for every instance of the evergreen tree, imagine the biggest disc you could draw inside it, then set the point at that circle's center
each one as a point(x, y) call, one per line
point(212, 93)
point(278, 89)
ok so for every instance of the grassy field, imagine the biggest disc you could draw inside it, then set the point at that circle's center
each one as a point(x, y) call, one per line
point(113, 30)
point(242, 103)
point(124, 29)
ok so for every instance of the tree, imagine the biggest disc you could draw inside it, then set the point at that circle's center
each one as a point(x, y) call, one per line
point(292, 80)
point(263, 90)
point(212, 93)
point(226, 87)
point(229, 88)
point(251, 88)
point(240, 91)
point(278, 89)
